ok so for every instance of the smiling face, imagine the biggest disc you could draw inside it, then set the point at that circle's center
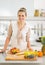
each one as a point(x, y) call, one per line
point(21, 16)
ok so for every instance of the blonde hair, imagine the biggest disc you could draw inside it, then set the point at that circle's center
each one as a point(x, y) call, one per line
point(23, 10)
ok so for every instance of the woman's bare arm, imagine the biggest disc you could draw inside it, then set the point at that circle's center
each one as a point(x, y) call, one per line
point(6, 43)
point(28, 40)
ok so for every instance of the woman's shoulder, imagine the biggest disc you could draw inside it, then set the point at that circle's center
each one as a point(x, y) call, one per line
point(13, 24)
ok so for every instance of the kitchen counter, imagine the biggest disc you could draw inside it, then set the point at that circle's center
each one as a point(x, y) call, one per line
point(40, 60)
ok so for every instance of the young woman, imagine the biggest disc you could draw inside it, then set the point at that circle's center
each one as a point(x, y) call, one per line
point(19, 32)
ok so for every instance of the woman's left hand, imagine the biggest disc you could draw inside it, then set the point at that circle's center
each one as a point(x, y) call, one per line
point(30, 49)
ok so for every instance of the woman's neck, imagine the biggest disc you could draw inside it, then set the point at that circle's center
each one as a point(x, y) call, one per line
point(21, 25)
point(21, 22)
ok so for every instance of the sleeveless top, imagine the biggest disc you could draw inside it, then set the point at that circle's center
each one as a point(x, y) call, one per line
point(22, 44)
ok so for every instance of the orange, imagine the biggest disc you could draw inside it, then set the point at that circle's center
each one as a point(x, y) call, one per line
point(40, 54)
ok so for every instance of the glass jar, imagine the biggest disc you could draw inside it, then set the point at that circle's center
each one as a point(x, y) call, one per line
point(42, 12)
point(36, 13)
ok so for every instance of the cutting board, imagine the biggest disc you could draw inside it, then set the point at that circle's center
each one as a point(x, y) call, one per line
point(18, 57)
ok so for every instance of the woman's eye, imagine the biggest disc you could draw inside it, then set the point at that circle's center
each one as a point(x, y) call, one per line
point(19, 15)
point(22, 15)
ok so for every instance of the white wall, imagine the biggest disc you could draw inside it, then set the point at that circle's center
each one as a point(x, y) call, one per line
point(10, 7)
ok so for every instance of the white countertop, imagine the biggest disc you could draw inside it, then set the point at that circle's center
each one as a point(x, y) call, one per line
point(40, 60)
point(2, 60)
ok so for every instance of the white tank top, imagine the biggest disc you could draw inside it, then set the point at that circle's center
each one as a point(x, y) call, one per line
point(23, 44)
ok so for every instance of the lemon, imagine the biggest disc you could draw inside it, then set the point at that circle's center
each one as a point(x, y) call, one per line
point(26, 53)
point(36, 53)
point(31, 52)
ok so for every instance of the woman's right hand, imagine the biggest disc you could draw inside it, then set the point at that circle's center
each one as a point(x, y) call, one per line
point(2, 51)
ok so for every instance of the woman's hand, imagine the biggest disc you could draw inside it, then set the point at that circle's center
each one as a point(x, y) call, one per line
point(2, 51)
point(30, 49)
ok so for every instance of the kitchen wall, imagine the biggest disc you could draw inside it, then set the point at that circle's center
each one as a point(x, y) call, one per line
point(10, 7)
point(37, 29)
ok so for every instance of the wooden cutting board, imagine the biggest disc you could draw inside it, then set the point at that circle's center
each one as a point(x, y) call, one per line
point(18, 57)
